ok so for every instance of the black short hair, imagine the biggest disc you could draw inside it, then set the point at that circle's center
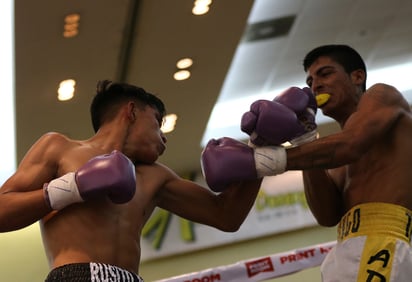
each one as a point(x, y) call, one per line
point(345, 55)
point(111, 95)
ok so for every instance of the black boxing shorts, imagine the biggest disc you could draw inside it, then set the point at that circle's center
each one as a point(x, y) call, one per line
point(91, 272)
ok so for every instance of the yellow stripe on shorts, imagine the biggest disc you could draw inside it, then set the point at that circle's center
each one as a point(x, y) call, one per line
point(376, 218)
point(377, 258)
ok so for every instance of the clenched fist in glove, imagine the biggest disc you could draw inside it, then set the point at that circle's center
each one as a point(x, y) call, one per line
point(289, 117)
point(226, 160)
point(111, 175)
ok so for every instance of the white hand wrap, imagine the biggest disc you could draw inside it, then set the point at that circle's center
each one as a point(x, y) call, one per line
point(62, 192)
point(270, 160)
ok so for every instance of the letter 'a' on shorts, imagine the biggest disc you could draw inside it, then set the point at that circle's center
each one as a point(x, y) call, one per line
point(373, 245)
point(91, 272)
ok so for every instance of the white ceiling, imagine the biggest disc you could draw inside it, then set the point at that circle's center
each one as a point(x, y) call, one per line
point(140, 41)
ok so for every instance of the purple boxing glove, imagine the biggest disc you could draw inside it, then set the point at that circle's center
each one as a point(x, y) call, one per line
point(226, 160)
point(290, 116)
point(112, 175)
point(303, 103)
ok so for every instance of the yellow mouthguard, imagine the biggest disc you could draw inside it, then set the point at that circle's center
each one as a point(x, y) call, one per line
point(322, 99)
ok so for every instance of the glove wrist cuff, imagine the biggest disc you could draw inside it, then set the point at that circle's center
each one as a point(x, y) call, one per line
point(305, 138)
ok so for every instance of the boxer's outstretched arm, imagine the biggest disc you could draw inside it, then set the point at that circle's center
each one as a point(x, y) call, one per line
point(225, 211)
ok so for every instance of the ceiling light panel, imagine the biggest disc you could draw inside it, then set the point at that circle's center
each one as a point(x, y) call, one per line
point(184, 63)
point(181, 75)
point(201, 7)
point(71, 25)
point(66, 90)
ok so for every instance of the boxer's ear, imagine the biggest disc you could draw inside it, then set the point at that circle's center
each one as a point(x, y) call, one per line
point(358, 76)
point(131, 111)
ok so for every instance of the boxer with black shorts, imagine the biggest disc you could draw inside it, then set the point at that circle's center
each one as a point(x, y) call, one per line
point(94, 196)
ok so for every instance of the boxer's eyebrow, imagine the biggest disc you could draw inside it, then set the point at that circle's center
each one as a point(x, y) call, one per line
point(318, 72)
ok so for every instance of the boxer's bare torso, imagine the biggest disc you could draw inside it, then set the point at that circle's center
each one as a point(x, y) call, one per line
point(383, 173)
point(101, 231)
point(96, 231)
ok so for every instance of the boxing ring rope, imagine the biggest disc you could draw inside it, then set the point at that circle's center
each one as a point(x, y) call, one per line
point(261, 268)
